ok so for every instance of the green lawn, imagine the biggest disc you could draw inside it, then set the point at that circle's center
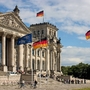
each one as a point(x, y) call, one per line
point(82, 89)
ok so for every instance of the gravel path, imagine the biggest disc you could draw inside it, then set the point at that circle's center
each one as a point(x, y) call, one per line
point(47, 87)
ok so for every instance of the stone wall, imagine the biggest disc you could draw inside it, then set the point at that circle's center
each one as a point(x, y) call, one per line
point(10, 79)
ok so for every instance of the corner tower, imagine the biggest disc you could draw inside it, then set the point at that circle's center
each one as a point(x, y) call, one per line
point(51, 61)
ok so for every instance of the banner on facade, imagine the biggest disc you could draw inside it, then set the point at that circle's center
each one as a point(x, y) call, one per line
point(25, 39)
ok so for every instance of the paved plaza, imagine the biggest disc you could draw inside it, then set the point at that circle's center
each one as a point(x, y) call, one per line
point(59, 86)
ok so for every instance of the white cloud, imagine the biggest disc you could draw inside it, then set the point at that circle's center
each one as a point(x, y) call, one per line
point(75, 60)
point(73, 55)
point(68, 13)
point(82, 37)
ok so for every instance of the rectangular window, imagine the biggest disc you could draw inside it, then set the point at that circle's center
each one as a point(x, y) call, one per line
point(38, 32)
point(42, 31)
point(54, 33)
point(34, 34)
point(43, 54)
point(29, 63)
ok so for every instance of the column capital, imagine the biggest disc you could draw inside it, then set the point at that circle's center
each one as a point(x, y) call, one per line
point(4, 33)
point(13, 36)
point(47, 48)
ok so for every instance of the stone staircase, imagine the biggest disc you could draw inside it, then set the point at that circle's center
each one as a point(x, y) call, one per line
point(3, 73)
point(43, 80)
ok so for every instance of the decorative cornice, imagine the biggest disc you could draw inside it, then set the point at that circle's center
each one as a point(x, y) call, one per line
point(45, 23)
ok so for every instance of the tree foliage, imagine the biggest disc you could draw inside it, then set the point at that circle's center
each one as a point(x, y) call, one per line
point(80, 70)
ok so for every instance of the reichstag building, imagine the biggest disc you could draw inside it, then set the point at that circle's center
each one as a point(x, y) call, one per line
point(24, 57)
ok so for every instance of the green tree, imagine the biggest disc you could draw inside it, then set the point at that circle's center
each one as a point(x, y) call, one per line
point(80, 70)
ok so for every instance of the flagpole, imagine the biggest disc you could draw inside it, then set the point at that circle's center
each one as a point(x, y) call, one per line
point(32, 74)
point(40, 59)
point(40, 66)
point(43, 19)
point(43, 16)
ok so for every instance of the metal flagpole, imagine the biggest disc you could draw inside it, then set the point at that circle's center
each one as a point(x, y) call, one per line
point(31, 70)
point(40, 55)
point(43, 16)
point(32, 74)
point(40, 58)
point(43, 19)
point(40, 66)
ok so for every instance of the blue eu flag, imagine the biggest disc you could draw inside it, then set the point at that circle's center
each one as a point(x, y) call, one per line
point(25, 39)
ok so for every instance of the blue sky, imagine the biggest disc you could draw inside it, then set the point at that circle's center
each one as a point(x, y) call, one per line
point(72, 18)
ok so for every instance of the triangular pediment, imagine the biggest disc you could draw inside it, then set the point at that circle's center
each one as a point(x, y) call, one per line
point(11, 21)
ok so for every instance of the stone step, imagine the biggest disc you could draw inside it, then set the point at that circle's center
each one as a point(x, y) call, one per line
point(49, 81)
point(3, 73)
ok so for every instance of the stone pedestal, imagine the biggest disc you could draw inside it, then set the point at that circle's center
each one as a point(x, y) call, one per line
point(4, 68)
point(12, 68)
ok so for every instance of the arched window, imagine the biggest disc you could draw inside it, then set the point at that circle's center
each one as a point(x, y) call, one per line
point(38, 64)
point(43, 54)
point(43, 64)
point(33, 52)
point(38, 52)
point(33, 64)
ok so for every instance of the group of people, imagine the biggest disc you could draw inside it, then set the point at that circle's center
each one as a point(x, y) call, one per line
point(74, 81)
point(22, 84)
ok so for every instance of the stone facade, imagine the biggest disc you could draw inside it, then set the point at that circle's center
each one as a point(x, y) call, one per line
point(24, 57)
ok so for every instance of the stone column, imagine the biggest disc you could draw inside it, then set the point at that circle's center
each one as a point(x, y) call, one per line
point(59, 46)
point(36, 58)
point(20, 56)
point(58, 61)
point(48, 60)
point(53, 60)
point(31, 57)
point(51, 57)
point(26, 59)
point(12, 55)
point(41, 59)
point(4, 67)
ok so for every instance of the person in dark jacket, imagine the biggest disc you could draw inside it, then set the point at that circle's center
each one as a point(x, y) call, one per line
point(35, 84)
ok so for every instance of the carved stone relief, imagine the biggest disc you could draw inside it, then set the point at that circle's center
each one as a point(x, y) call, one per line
point(10, 21)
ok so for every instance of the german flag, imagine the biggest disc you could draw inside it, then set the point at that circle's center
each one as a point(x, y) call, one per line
point(41, 43)
point(40, 14)
point(87, 35)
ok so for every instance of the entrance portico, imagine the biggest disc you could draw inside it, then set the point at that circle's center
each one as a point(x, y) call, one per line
point(8, 51)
